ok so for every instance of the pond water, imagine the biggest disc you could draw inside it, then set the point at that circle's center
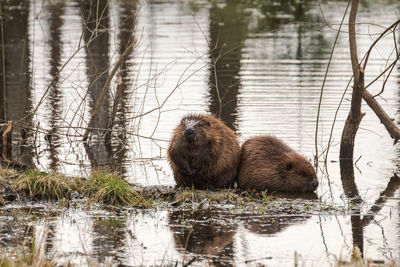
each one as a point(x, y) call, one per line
point(259, 65)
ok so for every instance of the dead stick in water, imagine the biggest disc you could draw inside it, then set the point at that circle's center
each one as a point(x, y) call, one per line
point(100, 100)
point(7, 140)
point(118, 96)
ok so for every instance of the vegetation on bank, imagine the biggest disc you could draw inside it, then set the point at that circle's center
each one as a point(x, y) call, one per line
point(103, 188)
point(45, 186)
point(108, 189)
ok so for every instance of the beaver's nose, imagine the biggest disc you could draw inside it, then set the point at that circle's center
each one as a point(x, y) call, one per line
point(314, 185)
point(189, 131)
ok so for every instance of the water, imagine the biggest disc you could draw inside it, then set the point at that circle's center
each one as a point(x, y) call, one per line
point(268, 62)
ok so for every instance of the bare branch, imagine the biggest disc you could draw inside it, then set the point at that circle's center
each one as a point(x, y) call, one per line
point(388, 122)
point(106, 86)
point(322, 88)
point(377, 40)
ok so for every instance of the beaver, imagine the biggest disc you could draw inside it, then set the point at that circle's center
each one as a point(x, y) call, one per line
point(269, 164)
point(204, 153)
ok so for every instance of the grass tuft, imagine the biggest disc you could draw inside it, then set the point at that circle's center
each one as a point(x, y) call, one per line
point(45, 186)
point(108, 188)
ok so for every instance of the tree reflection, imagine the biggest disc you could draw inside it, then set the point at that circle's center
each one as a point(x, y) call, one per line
point(16, 88)
point(278, 13)
point(116, 140)
point(358, 222)
point(228, 31)
point(56, 10)
point(96, 25)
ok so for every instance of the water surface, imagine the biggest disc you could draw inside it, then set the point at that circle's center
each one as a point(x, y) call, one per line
point(259, 65)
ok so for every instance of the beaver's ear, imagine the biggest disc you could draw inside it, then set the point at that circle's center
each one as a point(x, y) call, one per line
point(289, 166)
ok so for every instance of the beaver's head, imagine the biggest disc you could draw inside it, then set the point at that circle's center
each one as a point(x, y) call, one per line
point(298, 174)
point(194, 128)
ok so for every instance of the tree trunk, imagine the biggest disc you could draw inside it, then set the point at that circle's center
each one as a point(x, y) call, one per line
point(354, 118)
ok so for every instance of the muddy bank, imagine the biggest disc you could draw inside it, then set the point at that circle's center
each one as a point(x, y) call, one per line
point(109, 190)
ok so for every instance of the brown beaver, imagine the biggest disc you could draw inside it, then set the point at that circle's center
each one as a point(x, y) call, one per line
point(269, 164)
point(204, 153)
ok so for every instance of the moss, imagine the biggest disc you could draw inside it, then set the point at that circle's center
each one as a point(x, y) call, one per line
point(46, 186)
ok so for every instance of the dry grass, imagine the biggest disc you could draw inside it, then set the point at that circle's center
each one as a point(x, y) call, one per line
point(44, 186)
point(6, 172)
point(100, 187)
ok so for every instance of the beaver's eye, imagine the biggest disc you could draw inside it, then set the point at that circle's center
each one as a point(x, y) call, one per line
point(303, 174)
point(289, 166)
point(205, 123)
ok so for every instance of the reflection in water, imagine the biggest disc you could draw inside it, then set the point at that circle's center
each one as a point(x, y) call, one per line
point(205, 233)
point(56, 10)
point(228, 31)
point(96, 25)
point(17, 227)
point(109, 239)
point(118, 118)
point(276, 15)
point(16, 85)
point(269, 225)
point(359, 222)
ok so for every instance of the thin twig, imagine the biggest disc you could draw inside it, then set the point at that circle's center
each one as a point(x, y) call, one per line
point(377, 40)
point(179, 83)
point(391, 66)
point(106, 86)
point(323, 86)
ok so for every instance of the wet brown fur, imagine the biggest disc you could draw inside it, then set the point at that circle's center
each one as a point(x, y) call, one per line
point(269, 164)
point(209, 161)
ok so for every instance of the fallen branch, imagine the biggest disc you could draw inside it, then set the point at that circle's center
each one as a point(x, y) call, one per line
point(388, 122)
